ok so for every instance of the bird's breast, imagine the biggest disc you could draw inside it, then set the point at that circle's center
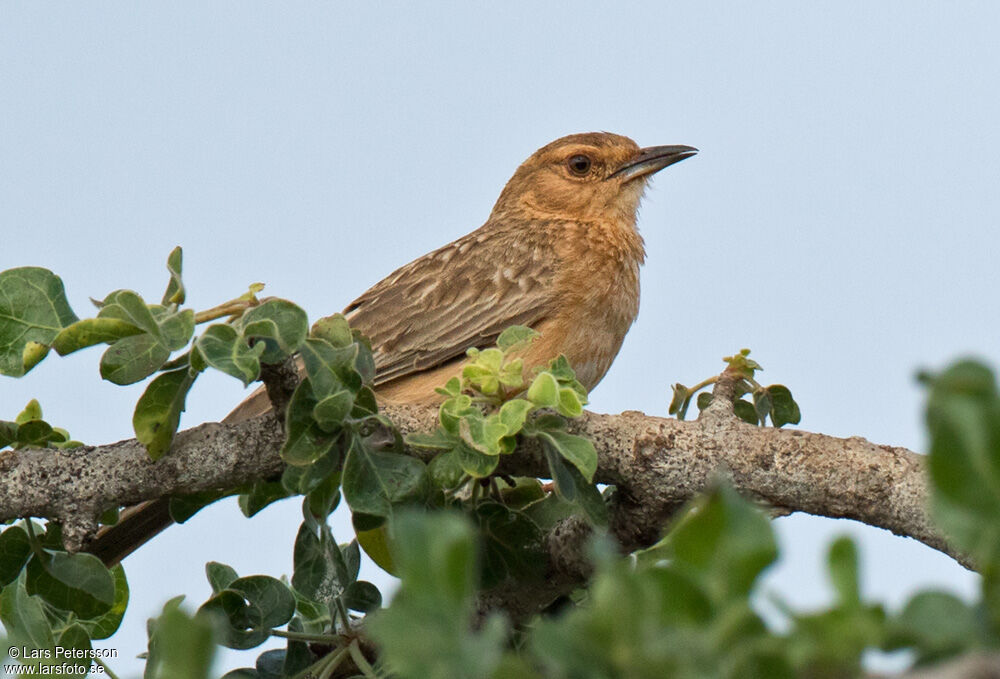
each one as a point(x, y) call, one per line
point(597, 293)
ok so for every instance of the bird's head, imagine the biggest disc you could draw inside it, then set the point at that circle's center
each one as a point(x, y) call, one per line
point(591, 176)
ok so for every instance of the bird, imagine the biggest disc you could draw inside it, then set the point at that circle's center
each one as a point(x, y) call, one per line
point(560, 253)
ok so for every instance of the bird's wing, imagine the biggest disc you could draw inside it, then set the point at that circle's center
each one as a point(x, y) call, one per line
point(462, 295)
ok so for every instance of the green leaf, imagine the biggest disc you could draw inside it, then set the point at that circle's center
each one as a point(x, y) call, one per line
point(33, 311)
point(548, 512)
point(723, 541)
point(312, 567)
point(331, 411)
point(177, 329)
point(300, 480)
point(475, 463)
point(445, 470)
point(319, 570)
point(435, 555)
point(513, 666)
point(362, 596)
point(482, 433)
point(129, 306)
point(439, 439)
point(452, 388)
point(312, 616)
point(32, 411)
point(158, 411)
point(569, 403)
point(242, 673)
point(762, 404)
point(544, 391)
point(253, 606)
point(224, 349)
point(742, 365)
point(305, 442)
point(745, 411)
point(937, 625)
point(564, 374)
point(24, 617)
point(364, 362)
point(34, 433)
point(373, 481)
point(271, 596)
point(704, 400)
point(576, 450)
point(642, 621)
point(511, 375)
point(132, 359)
point(842, 562)
point(91, 331)
point(75, 582)
point(334, 329)
point(281, 325)
point(261, 495)
point(963, 416)
point(365, 404)
point(8, 433)
point(784, 409)
point(513, 413)
point(573, 488)
point(516, 337)
point(14, 552)
point(491, 359)
point(375, 542)
point(243, 629)
point(453, 410)
point(180, 646)
point(219, 575)
point(352, 560)
point(175, 288)
point(511, 545)
point(33, 354)
point(330, 369)
point(525, 490)
point(324, 498)
point(108, 623)
point(481, 378)
point(559, 471)
point(73, 638)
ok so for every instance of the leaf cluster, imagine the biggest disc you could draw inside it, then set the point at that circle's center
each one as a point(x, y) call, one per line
point(774, 401)
point(29, 430)
point(494, 403)
point(53, 602)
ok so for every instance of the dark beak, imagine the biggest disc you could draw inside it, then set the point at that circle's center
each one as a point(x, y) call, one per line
point(652, 159)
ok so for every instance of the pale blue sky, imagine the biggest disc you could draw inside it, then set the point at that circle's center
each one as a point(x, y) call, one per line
point(841, 219)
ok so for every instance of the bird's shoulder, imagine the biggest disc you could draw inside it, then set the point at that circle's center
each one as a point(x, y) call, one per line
point(460, 295)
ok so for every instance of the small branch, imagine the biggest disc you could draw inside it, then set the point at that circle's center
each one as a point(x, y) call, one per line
point(328, 639)
point(724, 394)
point(230, 308)
point(280, 381)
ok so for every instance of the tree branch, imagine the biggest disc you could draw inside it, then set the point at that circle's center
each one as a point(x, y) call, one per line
point(657, 465)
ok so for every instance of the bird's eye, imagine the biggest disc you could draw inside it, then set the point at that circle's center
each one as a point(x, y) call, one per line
point(579, 164)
